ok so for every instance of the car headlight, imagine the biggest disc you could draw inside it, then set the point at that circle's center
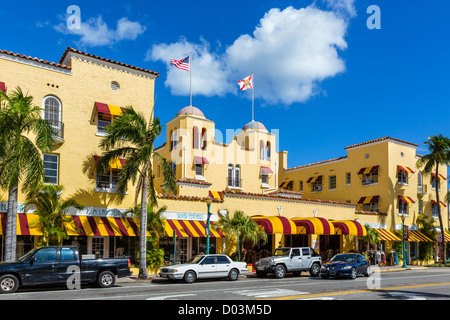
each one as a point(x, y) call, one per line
point(271, 263)
point(257, 263)
point(347, 267)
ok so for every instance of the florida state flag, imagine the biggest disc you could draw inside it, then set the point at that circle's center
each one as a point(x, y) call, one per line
point(246, 84)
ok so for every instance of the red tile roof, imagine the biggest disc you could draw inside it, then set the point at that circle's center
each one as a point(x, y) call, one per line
point(58, 65)
point(378, 140)
point(317, 163)
point(69, 49)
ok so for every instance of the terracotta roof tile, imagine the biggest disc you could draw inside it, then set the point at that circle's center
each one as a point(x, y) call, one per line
point(58, 65)
point(378, 140)
point(69, 49)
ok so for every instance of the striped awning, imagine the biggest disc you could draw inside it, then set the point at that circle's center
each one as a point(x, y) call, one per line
point(314, 179)
point(440, 176)
point(190, 229)
point(446, 236)
point(113, 163)
point(406, 199)
point(387, 235)
point(318, 226)
point(216, 195)
point(418, 236)
point(372, 199)
point(349, 227)
point(3, 87)
point(27, 224)
point(405, 169)
point(369, 170)
point(275, 224)
point(108, 109)
point(442, 204)
point(103, 226)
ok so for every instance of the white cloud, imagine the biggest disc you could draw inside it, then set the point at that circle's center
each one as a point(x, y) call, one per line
point(342, 7)
point(95, 32)
point(290, 52)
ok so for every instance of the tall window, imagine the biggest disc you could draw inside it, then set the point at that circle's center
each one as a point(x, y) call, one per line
point(348, 178)
point(203, 138)
point(234, 176)
point(332, 183)
point(402, 207)
point(434, 211)
point(107, 181)
point(52, 112)
point(419, 182)
point(195, 138)
point(402, 177)
point(268, 151)
point(261, 150)
point(51, 168)
point(173, 139)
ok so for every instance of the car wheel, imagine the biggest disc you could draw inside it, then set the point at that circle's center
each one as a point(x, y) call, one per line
point(8, 283)
point(353, 275)
point(368, 272)
point(280, 271)
point(315, 270)
point(233, 275)
point(106, 279)
point(190, 277)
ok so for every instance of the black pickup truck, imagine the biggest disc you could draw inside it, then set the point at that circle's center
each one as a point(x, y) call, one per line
point(59, 265)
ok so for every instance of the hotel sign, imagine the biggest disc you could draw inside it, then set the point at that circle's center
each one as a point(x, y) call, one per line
point(174, 215)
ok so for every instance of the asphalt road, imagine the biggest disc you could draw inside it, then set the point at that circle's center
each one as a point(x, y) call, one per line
point(430, 284)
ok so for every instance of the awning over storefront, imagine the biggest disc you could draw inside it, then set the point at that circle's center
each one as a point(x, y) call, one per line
point(27, 225)
point(318, 226)
point(442, 204)
point(369, 170)
point(405, 169)
point(201, 160)
point(216, 195)
point(406, 199)
point(418, 236)
point(349, 227)
point(103, 226)
point(446, 236)
point(114, 163)
point(276, 224)
point(387, 235)
point(108, 109)
point(366, 200)
point(190, 229)
point(314, 179)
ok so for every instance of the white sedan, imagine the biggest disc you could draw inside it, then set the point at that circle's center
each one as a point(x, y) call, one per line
point(205, 266)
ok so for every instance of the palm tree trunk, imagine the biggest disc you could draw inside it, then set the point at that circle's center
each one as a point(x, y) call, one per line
point(143, 235)
point(11, 225)
point(438, 204)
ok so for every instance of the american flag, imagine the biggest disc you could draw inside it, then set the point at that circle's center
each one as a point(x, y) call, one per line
point(182, 64)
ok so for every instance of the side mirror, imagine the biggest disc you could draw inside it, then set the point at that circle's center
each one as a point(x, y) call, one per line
point(32, 260)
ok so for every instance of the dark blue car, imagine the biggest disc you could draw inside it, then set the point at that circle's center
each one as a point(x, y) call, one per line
point(346, 265)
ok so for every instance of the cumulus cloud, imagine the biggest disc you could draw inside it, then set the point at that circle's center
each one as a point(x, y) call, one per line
point(95, 32)
point(342, 7)
point(290, 52)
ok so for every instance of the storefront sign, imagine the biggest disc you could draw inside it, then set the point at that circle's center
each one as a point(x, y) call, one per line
point(20, 207)
point(173, 215)
point(98, 212)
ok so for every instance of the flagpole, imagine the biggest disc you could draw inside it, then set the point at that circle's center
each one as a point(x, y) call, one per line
point(190, 76)
point(253, 98)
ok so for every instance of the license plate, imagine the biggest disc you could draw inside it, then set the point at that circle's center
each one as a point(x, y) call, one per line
point(333, 273)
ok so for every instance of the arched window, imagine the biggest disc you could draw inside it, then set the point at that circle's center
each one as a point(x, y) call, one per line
point(234, 176)
point(419, 182)
point(51, 111)
point(268, 151)
point(261, 150)
point(203, 138)
point(173, 139)
point(195, 138)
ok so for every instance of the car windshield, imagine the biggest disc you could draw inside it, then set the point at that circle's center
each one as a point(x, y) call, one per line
point(344, 258)
point(26, 255)
point(196, 259)
point(282, 252)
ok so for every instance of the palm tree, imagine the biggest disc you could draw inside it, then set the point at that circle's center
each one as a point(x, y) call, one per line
point(20, 158)
point(439, 147)
point(51, 210)
point(242, 227)
point(371, 237)
point(429, 230)
point(129, 137)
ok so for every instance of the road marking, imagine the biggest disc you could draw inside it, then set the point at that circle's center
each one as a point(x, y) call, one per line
point(316, 295)
point(170, 297)
point(270, 293)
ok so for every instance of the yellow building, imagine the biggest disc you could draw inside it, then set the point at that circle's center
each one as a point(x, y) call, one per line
point(243, 175)
point(382, 178)
point(81, 95)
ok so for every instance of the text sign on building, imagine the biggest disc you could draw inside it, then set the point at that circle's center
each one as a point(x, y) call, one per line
point(173, 215)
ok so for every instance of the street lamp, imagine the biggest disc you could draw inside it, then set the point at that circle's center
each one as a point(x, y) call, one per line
point(208, 201)
point(404, 244)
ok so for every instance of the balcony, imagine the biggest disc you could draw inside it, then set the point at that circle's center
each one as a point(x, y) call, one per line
point(58, 126)
point(422, 190)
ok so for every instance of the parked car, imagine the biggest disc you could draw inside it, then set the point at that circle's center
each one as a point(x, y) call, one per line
point(54, 265)
point(346, 265)
point(205, 266)
point(293, 260)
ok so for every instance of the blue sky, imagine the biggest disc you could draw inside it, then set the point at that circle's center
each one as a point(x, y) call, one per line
point(322, 78)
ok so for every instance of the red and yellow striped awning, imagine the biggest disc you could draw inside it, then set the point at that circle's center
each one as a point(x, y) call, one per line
point(113, 163)
point(365, 200)
point(275, 224)
point(318, 226)
point(406, 199)
point(418, 236)
point(405, 169)
point(387, 235)
point(314, 179)
point(369, 170)
point(190, 229)
point(29, 225)
point(108, 109)
point(216, 195)
point(349, 227)
point(446, 236)
point(442, 204)
point(440, 176)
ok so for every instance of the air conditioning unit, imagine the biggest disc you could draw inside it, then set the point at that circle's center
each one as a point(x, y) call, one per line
point(367, 181)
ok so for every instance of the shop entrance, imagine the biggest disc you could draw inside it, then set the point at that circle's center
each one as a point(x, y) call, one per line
point(98, 246)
